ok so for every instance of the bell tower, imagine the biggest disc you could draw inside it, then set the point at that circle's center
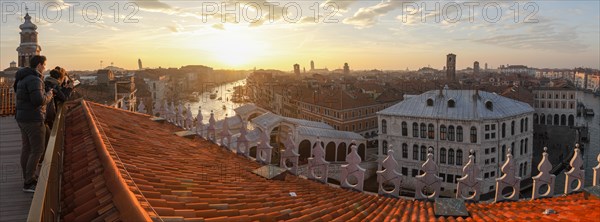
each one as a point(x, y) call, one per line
point(451, 67)
point(29, 42)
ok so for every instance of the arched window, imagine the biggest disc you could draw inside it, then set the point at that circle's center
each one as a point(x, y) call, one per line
point(522, 125)
point(415, 152)
point(451, 103)
point(512, 128)
point(503, 130)
point(443, 132)
point(450, 156)
point(383, 127)
point(526, 142)
point(526, 123)
point(503, 153)
point(429, 102)
point(423, 130)
point(423, 153)
point(473, 135)
point(520, 169)
point(405, 151)
point(385, 147)
point(451, 133)
point(542, 119)
point(415, 129)
point(430, 131)
point(459, 157)
point(404, 129)
point(459, 134)
point(489, 105)
point(443, 155)
point(525, 169)
point(521, 148)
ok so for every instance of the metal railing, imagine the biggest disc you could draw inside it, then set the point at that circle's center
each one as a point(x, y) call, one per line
point(7, 101)
point(45, 205)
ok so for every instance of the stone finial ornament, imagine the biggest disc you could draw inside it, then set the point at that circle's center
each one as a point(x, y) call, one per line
point(225, 133)
point(189, 118)
point(318, 168)
point(543, 178)
point(509, 179)
point(353, 169)
point(141, 107)
point(470, 182)
point(211, 130)
point(389, 175)
point(199, 123)
point(429, 180)
point(289, 158)
point(264, 149)
point(576, 173)
point(242, 140)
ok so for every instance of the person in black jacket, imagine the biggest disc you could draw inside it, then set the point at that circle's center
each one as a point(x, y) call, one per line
point(62, 91)
point(31, 113)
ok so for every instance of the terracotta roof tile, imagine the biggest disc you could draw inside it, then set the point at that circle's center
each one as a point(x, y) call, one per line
point(194, 180)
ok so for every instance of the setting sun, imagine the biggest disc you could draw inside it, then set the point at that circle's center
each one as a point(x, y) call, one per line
point(235, 48)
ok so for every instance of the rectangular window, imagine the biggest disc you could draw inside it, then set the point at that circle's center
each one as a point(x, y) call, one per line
point(450, 178)
point(487, 151)
point(493, 126)
point(493, 174)
point(443, 176)
point(493, 149)
point(493, 135)
point(404, 171)
point(493, 160)
point(487, 127)
point(486, 175)
point(415, 172)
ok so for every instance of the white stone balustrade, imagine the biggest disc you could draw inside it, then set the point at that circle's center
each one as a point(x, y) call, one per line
point(264, 149)
point(544, 178)
point(470, 182)
point(576, 174)
point(225, 134)
point(211, 134)
point(389, 174)
point(352, 169)
point(509, 179)
point(289, 156)
point(318, 168)
point(141, 107)
point(242, 140)
point(429, 180)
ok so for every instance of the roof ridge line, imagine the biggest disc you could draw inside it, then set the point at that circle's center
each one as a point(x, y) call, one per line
point(115, 108)
point(124, 200)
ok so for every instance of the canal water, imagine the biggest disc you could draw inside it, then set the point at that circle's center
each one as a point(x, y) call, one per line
point(220, 104)
point(592, 148)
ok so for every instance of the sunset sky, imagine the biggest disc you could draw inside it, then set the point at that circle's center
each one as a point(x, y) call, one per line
point(390, 35)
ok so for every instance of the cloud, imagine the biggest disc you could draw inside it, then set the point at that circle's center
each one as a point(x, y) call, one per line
point(175, 28)
point(156, 6)
point(545, 35)
point(342, 5)
point(218, 26)
point(368, 16)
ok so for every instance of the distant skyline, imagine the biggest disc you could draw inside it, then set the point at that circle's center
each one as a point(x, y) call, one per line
point(387, 35)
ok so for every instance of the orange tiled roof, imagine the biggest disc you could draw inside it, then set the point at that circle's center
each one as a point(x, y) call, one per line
point(194, 180)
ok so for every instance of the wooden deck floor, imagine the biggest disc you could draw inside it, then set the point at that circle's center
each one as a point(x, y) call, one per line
point(14, 203)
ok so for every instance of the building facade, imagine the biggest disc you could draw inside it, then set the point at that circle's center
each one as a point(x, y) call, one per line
point(452, 123)
point(555, 105)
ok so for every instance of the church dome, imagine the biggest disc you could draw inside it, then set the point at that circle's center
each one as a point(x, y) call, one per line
point(28, 24)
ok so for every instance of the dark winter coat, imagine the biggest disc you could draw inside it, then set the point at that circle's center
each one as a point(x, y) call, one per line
point(31, 96)
point(61, 94)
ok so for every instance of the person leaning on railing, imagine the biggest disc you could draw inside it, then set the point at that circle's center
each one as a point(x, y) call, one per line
point(62, 87)
point(30, 115)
